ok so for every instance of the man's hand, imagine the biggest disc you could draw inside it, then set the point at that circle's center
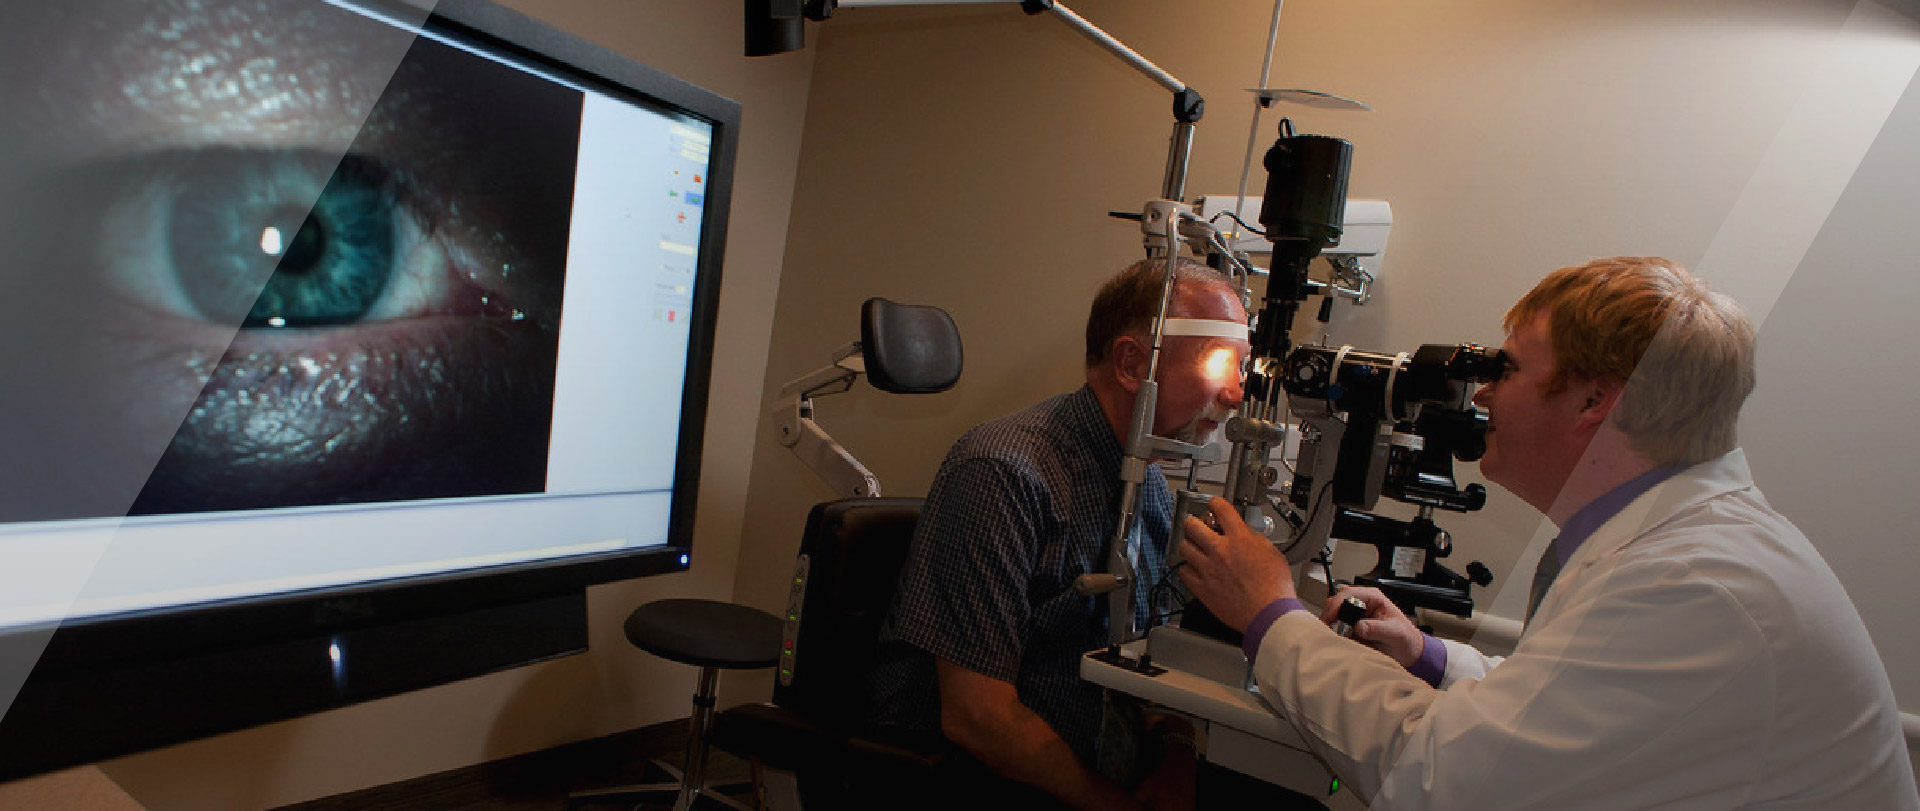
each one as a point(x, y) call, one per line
point(1235, 571)
point(1385, 629)
point(1171, 784)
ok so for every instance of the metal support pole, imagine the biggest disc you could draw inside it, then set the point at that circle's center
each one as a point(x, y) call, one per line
point(1175, 186)
point(693, 779)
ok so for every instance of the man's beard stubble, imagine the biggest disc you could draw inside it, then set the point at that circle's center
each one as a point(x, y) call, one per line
point(1190, 433)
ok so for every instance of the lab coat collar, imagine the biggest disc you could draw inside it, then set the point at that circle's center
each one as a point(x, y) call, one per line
point(1691, 486)
point(1593, 516)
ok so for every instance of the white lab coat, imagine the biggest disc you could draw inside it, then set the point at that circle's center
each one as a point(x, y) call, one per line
point(1695, 652)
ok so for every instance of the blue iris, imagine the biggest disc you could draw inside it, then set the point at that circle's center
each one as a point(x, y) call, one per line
point(247, 250)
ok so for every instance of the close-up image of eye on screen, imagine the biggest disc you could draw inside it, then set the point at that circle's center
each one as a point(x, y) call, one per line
point(272, 255)
point(332, 330)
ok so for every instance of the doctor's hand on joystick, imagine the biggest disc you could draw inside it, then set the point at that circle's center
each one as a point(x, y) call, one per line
point(1383, 627)
point(1233, 570)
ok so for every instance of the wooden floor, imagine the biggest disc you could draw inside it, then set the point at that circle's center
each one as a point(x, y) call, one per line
point(541, 781)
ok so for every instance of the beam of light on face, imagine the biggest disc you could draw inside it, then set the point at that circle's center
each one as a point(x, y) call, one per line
point(1220, 365)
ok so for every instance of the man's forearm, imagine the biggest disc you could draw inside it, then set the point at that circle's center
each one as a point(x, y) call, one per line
point(1029, 751)
point(984, 716)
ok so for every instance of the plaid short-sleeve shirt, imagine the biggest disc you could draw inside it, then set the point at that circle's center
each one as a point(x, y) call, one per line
point(1021, 506)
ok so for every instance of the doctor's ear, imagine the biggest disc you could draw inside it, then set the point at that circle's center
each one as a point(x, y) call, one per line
point(1602, 396)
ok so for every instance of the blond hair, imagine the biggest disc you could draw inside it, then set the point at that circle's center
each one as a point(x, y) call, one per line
point(1684, 352)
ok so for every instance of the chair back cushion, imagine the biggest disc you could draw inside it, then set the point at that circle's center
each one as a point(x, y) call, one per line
point(854, 549)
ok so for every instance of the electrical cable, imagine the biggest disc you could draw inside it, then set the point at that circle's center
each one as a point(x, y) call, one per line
point(1318, 500)
point(1241, 222)
point(1153, 599)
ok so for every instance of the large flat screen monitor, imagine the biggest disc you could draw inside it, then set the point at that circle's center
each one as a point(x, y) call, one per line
point(344, 343)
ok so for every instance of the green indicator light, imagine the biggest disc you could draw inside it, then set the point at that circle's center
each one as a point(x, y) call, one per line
point(796, 581)
point(791, 616)
point(1334, 786)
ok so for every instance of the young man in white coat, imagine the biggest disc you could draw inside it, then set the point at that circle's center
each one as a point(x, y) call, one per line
point(1686, 647)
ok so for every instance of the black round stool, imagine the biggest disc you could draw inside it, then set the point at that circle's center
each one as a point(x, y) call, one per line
point(713, 636)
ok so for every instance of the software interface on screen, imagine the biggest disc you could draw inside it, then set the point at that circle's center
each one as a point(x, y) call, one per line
point(302, 295)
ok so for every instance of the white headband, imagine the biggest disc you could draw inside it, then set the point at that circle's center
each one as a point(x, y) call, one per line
point(1205, 328)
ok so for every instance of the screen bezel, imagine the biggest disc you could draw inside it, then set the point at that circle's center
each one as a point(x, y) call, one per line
point(174, 654)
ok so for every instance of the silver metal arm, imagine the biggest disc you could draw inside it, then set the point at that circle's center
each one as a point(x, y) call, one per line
point(1077, 22)
point(1174, 185)
point(793, 415)
point(1161, 220)
point(1115, 47)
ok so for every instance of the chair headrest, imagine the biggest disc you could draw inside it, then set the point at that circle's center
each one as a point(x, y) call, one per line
point(909, 348)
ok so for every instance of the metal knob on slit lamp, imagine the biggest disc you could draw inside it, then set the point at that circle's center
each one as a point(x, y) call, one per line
point(1351, 612)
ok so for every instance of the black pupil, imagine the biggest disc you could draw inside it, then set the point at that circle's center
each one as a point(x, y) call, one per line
point(248, 249)
point(304, 250)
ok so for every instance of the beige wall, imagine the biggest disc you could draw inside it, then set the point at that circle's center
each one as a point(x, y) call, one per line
point(615, 687)
point(965, 157)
